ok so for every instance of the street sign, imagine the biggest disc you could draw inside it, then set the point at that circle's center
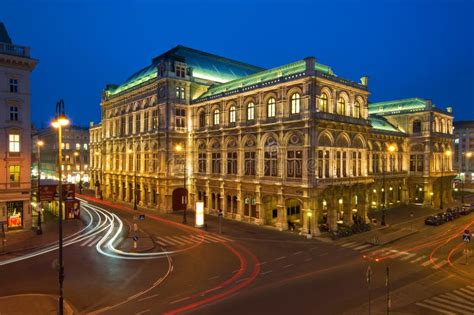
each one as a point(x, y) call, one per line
point(141, 217)
point(135, 238)
point(466, 238)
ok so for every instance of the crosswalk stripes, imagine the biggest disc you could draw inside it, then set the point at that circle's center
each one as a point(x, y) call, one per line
point(418, 259)
point(429, 261)
point(459, 301)
point(91, 241)
point(440, 264)
point(363, 246)
point(181, 240)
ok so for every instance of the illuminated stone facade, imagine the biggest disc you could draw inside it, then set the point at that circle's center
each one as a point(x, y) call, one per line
point(289, 144)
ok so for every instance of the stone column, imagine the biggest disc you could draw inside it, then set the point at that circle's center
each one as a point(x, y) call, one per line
point(240, 205)
point(282, 223)
point(347, 208)
point(142, 194)
point(333, 207)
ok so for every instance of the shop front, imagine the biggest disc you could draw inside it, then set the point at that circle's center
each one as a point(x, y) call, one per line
point(15, 214)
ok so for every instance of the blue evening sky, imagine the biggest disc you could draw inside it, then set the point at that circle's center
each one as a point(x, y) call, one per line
point(408, 48)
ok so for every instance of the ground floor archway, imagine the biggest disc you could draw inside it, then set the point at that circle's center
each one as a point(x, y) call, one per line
point(180, 199)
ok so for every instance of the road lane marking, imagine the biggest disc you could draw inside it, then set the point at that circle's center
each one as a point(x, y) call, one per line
point(362, 246)
point(200, 239)
point(189, 239)
point(389, 252)
point(398, 254)
point(240, 280)
point(460, 293)
point(181, 238)
point(160, 242)
point(418, 259)
point(266, 272)
point(323, 254)
point(180, 300)
point(454, 297)
point(143, 312)
point(434, 308)
point(288, 266)
point(297, 253)
point(470, 287)
point(280, 258)
point(467, 291)
point(368, 249)
point(408, 256)
point(212, 278)
point(214, 238)
point(347, 245)
point(262, 263)
point(223, 237)
point(440, 264)
point(148, 297)
point(87, 241)
point(94, 242)
point(455, 304)
point(210, 290)
point(309, 259)
point(164, 240)
point(426, 263)
point(173, 239)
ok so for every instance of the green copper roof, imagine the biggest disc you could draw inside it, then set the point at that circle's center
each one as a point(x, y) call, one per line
point(263, 76)
point(380, 123)
point(398, 106)
point(204, 66)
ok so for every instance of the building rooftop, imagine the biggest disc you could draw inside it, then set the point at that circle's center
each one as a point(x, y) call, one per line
point(464, 124)
point(4, 38)
point(399, 106)
point(264, 76)
point(380, 123)
point(204, 66)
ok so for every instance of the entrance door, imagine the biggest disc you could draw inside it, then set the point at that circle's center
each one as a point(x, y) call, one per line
point(180, 199)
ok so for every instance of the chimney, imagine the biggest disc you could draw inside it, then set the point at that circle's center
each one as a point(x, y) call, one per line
point(310, 65)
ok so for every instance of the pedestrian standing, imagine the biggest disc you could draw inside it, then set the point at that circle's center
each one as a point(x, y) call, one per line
point(219, 221)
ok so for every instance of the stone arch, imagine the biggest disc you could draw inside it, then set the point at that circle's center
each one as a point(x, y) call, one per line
point(249, 141)
point(215, 144)
point(265, 140)
point(230, 142)
point(416, 147)
point(346, 98)
point(325, 139)
point(343, 140)
point(293, 138)
point(358, 142)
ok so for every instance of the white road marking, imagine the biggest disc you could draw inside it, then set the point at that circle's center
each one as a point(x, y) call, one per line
point(455, 304)
point(418, 259)
point(440, 264)
point(309, 259)
point(368, 249)
point(323, 254)
point(408, 256)
point(200, 239)
point(160, 242)
point(362, 246)
point(214, 239)
point(189, 239)
point(398, 254)
point(467, 292)
point(435, 308)
point(297, 253)
point(288, 266)
point(94, 242)
point(262, 263)
point(180, 300)
point(455, 297)
point(175, 239)
point(350, 244)
point(143, 312)
point(426, 263)
point(88, 241)
point(212, 278)
point(167, 242)
point(266, 272)
point(463, 294)
point(148, 297)
point(280, 258)
point(223, 237)
point(181, 238)
point(240, 280)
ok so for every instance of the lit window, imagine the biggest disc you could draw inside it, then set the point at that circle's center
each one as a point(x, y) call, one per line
point(180, 92)
point(14, 113)
point(271, 104)
point(250, 111)
point(180, 118)
point(341, 106)
point(78, 146)
point(202, 119)
point(14, 173)
point(357, 110)
point(323, 103)
point(13, 86)
point(295, 103)
point(67, 145)
point(14, 143)
point(216, 117)
point(232, 114)
point(85, 146)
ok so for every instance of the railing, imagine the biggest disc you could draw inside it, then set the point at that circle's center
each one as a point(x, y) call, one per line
point(14, 50)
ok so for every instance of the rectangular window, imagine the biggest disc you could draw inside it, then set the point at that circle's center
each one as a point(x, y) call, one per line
point(146, 163)
point(326, 164)
point(320, 164)
point(14, 173)
point(216, 163)
point(344, 164)
point(231, 162)
point(138, 123)
point(146, 119)
point(271, 163)
point(130, 124)
point(122, 126)
point(14, 143)
point(202, 161)
point(14, 113)
point(154, 119)
point(294, 164)
point(359, 164)
point(338, 164)
point(419, 162)
point(249, 163)
point(354, 163)
point(155, 162)
point(180, 119)
point(13, 86)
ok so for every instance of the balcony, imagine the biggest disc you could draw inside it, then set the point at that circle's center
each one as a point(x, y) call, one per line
point(14, 50)
point(348, 181)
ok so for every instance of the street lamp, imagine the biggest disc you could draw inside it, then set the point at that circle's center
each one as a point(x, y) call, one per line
point(180, 148)
point(390, 149)
point(309, 222)
point(468, 157)
point(39, 144)
point(448, 154)
point(134, 180)
point(59, 122)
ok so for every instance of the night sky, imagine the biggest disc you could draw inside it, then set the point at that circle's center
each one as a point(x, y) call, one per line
point(408, 48)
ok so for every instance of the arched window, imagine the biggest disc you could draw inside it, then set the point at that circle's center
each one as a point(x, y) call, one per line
point(341, 105)
point(271, 107)
point(357, 109)
point(417, 126)
point(217, 117)
point(295, 103)
point(232, 114)
point(323, 102)
point(202, 119)
point(250, 111)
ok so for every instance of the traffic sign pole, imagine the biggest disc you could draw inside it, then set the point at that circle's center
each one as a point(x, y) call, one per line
point(369, 279)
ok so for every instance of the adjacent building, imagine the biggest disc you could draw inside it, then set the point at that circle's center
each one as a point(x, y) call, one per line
point(75, 145)
point(464, 149)
point(16, 66)
point(295, 144)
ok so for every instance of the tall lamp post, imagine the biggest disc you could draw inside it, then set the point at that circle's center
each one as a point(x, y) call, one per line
point(59, 122)
point(77, 155)
point(391, 149)
point(134, 180)
point(180, 148)
point(448, 154)
point(468, 157)
point(39, 144)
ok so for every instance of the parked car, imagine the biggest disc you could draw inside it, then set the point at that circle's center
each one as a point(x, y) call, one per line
point(465, 210)
point(454, 212)
point(434, 220)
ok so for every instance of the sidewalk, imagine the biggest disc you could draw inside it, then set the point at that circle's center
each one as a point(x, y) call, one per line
point(28, 239)
point(32, 304)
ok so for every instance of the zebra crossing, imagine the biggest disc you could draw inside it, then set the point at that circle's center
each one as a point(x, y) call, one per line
point(189, 239)
point(375, 251)
point(459, 301)
point(92, 241)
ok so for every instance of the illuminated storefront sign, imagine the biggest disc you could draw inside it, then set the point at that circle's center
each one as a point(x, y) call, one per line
point(15, 214)
point(199, 214)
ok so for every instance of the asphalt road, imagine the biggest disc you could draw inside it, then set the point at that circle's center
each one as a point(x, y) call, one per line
point(251, 270)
